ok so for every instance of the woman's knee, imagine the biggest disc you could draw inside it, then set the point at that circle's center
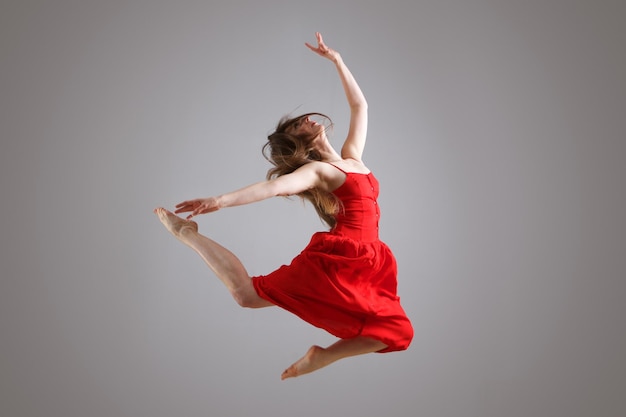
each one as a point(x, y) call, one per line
point(247, 297)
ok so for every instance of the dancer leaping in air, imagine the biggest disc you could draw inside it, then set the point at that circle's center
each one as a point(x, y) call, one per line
point(345, 280)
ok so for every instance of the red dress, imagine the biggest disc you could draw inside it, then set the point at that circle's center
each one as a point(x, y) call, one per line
point(344, 281)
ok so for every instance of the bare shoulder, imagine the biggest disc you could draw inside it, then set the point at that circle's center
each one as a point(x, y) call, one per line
point(329, 176)
point(352, 165)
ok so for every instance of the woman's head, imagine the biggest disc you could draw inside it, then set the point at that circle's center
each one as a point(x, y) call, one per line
point(292, 145)
point(305, 125)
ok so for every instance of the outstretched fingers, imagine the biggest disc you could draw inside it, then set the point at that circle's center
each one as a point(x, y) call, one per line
point(194, 206)
point(321, 48)
point(185, 206)
point(198, 206)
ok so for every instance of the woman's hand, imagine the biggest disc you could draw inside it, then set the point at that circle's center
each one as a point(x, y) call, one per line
point(322, 49)
point(198, 206)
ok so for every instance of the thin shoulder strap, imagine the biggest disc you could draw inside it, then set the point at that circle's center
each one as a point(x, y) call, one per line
point(337, 167)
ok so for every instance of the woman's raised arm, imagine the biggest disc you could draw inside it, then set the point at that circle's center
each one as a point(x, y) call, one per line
point(355, 142)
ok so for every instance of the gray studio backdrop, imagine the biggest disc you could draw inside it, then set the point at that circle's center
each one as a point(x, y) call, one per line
point(496, 131)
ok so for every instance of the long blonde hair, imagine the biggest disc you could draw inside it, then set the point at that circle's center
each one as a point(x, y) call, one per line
point(288, 152)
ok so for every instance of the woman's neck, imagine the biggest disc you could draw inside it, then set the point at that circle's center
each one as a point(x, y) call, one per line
point(327, 152)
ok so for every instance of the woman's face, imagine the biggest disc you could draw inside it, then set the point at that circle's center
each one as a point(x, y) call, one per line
point(307, 127)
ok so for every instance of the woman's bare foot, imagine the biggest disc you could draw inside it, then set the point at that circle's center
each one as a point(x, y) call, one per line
point(174, 224)
point(311, 361)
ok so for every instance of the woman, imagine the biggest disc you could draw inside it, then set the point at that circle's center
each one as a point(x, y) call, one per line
point(344, 281)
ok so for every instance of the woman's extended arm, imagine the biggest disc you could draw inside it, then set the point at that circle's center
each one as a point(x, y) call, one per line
point(355, 142)
point(304, 178)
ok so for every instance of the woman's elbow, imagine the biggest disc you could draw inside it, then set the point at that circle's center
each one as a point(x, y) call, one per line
point(359, 106)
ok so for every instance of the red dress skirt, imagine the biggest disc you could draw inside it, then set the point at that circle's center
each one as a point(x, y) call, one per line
point(345, 280)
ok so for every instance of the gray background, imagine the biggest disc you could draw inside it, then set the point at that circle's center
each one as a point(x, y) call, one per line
point(496, 131)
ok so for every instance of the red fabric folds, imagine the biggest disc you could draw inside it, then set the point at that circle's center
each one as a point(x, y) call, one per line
point(345, 280)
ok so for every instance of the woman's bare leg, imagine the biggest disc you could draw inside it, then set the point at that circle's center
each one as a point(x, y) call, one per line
point(223, 262)
point(318, 357)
